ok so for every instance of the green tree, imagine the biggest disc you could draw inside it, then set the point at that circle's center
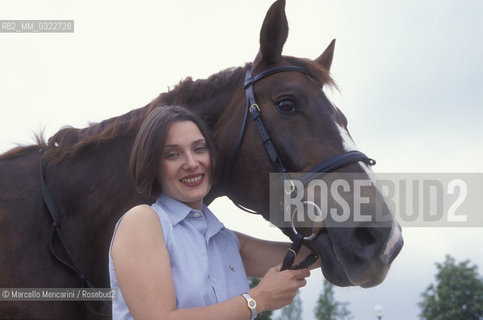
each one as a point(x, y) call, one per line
point(456, 295)
point(328, 308)
point(267, 315)
point(292, 311)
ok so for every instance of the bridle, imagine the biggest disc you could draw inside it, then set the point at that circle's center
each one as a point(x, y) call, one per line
point(329, 165)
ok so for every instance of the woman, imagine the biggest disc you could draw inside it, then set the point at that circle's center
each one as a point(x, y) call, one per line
point(174, 259)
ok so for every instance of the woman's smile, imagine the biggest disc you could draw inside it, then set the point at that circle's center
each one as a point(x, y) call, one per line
point(193, 180)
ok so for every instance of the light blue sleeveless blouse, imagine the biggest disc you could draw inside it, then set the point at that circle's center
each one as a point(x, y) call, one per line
point(204, 256)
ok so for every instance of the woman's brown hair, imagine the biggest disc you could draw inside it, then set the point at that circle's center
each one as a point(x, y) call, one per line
point(149, 144)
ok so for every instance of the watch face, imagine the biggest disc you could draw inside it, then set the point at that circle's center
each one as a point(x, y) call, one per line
point(252, 304)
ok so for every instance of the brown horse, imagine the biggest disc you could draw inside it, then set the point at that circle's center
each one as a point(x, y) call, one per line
point(86, 172)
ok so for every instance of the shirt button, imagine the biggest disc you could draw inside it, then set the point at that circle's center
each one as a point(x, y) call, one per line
point(197, 214)
point(214, 280)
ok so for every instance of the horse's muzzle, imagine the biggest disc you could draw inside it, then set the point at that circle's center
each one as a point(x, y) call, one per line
point(353, 257)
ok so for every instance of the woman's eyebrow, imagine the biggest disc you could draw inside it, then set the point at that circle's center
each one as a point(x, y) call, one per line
point(199, 141)
point(202, 140)
point(171, 146)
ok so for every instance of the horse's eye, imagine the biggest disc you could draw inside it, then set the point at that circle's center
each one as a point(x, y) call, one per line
point(286, 106)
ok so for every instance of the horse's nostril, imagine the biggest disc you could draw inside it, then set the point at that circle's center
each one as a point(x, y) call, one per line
point(364, 236)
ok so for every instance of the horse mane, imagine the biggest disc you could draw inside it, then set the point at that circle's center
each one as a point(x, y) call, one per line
point(188, 92)
point(71, 141)
point(21, 150)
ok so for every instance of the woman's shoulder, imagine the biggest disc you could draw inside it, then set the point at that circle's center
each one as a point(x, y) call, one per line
point(141, 218)
point(140, 212)
point(138, 228)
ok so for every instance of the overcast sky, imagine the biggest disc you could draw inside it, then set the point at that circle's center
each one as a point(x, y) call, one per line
point(410, 75)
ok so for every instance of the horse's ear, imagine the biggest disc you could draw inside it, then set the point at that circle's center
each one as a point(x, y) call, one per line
point(273, 34)
point(325, 59)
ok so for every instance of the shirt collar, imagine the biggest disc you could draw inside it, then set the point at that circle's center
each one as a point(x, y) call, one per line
point(214, 225)
point(178, 211)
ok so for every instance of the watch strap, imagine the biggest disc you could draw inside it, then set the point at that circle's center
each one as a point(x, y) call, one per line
point(251, 304)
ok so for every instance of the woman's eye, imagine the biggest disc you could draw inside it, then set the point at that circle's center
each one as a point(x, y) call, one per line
point(171, 155)
point(201, 149)
point(286, 106)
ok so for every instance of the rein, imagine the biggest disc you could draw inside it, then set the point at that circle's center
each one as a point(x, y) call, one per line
point(56, 233)
point(329, 165)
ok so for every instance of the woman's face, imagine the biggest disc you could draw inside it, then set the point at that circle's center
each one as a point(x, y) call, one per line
point(185, 166)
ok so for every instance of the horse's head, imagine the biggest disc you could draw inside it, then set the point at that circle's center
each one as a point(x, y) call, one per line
point(306, 130)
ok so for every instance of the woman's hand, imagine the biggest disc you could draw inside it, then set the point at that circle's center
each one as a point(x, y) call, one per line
point(260, 255)
point(278, 288)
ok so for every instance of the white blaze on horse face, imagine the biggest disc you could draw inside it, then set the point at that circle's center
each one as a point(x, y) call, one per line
point(348, 143)
point(395, 236)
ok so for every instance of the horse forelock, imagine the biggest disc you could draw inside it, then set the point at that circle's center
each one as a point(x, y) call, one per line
point(316, 71)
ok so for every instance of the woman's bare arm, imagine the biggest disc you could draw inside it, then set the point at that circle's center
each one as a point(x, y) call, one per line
point(142, 265)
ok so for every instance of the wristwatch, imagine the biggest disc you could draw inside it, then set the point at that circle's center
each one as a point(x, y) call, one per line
point(251, 304)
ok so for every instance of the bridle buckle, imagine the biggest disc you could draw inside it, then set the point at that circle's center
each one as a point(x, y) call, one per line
point(254, 106)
